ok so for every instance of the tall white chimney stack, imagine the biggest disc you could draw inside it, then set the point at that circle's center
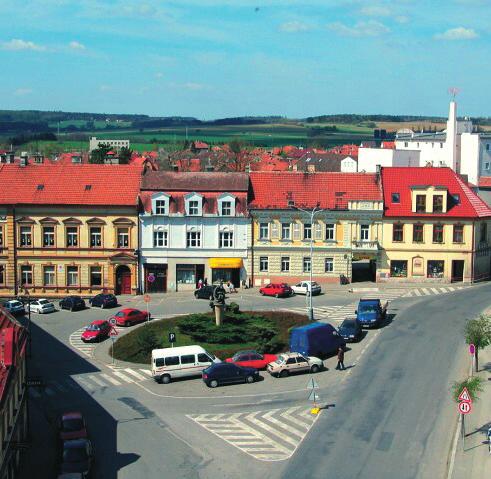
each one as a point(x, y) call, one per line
point(451, 140)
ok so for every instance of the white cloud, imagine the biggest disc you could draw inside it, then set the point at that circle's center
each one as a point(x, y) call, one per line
point(458, 33)
point(105, 88)
point(401, 19)
point(370, 28)
point(294, 27)
point(17, 44)
point(76, 45)
point(376, 11)
point(194, 86)
point(22, 91)
point(159, 75)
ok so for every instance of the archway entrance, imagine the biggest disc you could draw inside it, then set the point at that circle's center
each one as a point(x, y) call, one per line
point(123, 280)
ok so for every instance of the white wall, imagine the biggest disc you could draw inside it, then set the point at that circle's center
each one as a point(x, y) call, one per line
point(348, 165)
point(369, 158)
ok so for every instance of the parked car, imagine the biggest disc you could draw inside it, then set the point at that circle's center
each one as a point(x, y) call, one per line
point(96, 331)
point(41, 306)
point(76, 457)
point(277, 290)
point(72, 426)
point(316, 339)
point(103, 301)
point(304, 287)
point(227, 373)
point(72, 303)
point(205, 292)
point(14, 307)
point(350, 330)
point(130, 316)
point(292, 363)
point(71, 475)
point(251, 359)
point(371, 312)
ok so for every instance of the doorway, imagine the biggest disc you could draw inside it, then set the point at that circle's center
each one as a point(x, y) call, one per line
point(123, 280)
point(457, 271)
point(363, 270)
point(155, 278)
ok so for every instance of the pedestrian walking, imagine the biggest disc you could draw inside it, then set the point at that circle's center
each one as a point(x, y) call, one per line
point(205, 282)
point(340, 365)
point(200, 283)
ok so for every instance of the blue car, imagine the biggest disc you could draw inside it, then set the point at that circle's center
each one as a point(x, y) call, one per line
point(14, 307)
point(350, 330)
point(228, 373)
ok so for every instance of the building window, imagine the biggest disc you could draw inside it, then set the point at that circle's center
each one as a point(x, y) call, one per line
point(307, 265)
point(226, 239)
point(307, 231)
point(418, 233)
point(186, 274)
point(484, 233)
point(1, 236)
point(441, 145)
point(72, 275)
point(25, 236)
point(193, 239)
point(2, 274)
point(263, 231)
point(160, 207)
point(364, 232)
point(398, 232)
point(487, 146)
point(437, 203)
point(398, 269)
point(435, 269)
point(263, 263)
point(95, 237)
point(71, 236)
point(49, 276)
point(48, 236)
point(437, 233)
point(95, 276)
point(285, 263)
point(406, 144)
point(193, 209)
point(329, 265)
point(329, 232)
point(420, 203)
point(456, 198)
point(123, 237)
point(458, 233)
point(160, 239)
point(285, 231)
point(486, 165)
point(396, 198)
point(226, 208)
point(26, 275)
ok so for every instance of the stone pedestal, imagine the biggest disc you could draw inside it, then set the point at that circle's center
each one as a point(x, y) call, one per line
point(219, 311)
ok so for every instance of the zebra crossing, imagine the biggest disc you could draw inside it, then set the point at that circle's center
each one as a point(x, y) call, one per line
point(272, 435)
point(86, 348)
point(91, 382)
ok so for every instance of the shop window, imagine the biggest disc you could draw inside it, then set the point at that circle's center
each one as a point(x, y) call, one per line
point(95, 276)
point(160, 239)
point(398, 269)
point(285, 231)
point(72, 236)
point(2, 274)
point(330, 232)
point(307, 264)
point(437, 233)
point(364, 232)
point(49, 276)
point(95, 233)
point(437, 203)
point(185, 274)
point(307, 231)
point(123, 237)
point(263, 231)
point(458, 233)
point(25, 236)
point(26, 275)
point(48, 236)
point(418, 233)
point(483, 237)
point(263, 263)
point(398, 233)
point(72, 276)
point(193, 239)
point(226, 239)
point(420, 203)
point(285, 264)
point(329, 265)
point(435, 269)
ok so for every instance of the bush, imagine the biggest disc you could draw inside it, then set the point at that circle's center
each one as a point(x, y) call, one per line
point(147, 340)
point(233, 308)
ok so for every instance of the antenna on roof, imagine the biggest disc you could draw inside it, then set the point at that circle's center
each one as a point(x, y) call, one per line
point(453, 91)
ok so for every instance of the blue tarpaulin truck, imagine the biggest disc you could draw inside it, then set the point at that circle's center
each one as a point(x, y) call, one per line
point(371, 312)
point(316, 339)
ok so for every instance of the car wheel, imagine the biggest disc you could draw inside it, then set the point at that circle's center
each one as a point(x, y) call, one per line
point(127, 323)
point(262, 293)
point(315, 368)
point(196, 295)
point(284, 373)
point(249, 379)
point(211, 297)
point(213, 383)
point(165, 379)
point(71, 310)
point(276, 295)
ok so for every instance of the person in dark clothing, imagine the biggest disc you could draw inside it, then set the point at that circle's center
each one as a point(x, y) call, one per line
point(340, 365)
point(205, 282)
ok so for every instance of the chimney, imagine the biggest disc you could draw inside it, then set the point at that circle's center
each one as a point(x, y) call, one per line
point(24, 159)
point(451, 140)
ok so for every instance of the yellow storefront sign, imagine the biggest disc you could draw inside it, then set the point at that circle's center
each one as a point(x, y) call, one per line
point(225, 262)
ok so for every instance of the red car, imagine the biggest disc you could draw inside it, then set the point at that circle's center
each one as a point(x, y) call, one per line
point(130, 316)
point(251, 359)
point(276, 290)
point(96, 331)
point(72, 426)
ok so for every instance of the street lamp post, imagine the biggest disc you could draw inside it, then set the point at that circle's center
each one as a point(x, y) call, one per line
point(312, 213)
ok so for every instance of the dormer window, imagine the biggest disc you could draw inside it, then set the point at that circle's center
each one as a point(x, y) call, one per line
point(396, 198)
point(160, 207)
point(437, 203)
point(226, 205)
point(193, 208)
point(194, 204)
point(420, 203)
point(226, 208)
point(160, 204)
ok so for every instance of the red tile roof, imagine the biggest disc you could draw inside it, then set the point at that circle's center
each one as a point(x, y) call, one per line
point(201, 181)
point(331, 190)
point(401, 179)
point(484, 182)
point(67, 184)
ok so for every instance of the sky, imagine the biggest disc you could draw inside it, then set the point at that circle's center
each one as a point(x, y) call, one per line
point(221, 58)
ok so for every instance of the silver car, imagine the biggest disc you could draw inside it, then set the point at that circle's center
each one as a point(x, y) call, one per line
point(41, 306)
point(14, 307)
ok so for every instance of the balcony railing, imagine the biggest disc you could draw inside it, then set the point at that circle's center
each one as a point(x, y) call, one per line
point(365, 245)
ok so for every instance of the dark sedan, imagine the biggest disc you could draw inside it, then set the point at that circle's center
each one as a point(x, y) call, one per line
point(350, 330)
point(104, 301)
point(228, 373)
point(76, 457)
point(205, 292)
point(72, 303)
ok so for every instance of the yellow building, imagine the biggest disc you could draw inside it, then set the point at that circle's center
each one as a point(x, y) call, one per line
point(435, 228)
point(69, 229)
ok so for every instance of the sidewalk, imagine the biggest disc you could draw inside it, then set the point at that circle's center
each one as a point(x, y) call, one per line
point(475, 461)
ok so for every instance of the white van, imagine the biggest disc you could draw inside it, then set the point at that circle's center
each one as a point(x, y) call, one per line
point(184, 361)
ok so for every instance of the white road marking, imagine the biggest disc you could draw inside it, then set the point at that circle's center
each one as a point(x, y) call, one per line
point(110, 379)
point(123, 377)
point(94, 378)
point(134, 373)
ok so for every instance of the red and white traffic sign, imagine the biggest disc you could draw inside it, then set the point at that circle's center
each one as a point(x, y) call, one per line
point(146, 298)
point(113, 332)
point(465, 407)
point(465, 396)
point(112, 321)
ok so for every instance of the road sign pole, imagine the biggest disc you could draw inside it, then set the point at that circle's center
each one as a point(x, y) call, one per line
point(463, 431)
point(112, 350)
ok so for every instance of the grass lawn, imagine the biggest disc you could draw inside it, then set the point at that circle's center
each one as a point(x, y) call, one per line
point(134, 347)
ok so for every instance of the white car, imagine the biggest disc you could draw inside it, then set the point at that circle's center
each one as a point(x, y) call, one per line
point(41, 306)
point(304, 288)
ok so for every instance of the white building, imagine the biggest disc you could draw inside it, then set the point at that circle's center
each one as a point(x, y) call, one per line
point(117, 144)
point(192, 226)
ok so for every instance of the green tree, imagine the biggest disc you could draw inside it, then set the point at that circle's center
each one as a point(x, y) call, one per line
point(148, 340)
point(478, 332)
point(125, 155)
point(474, 385)
point(98, 155)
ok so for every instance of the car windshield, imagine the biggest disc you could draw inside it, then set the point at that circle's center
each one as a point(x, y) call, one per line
point(119, 314)
point(14, 303)
point(368, 308)
point(43, 301)
point(75, 454)
point(280, 360)
point(348, 324)
point(93, 327)
point(74, 424)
